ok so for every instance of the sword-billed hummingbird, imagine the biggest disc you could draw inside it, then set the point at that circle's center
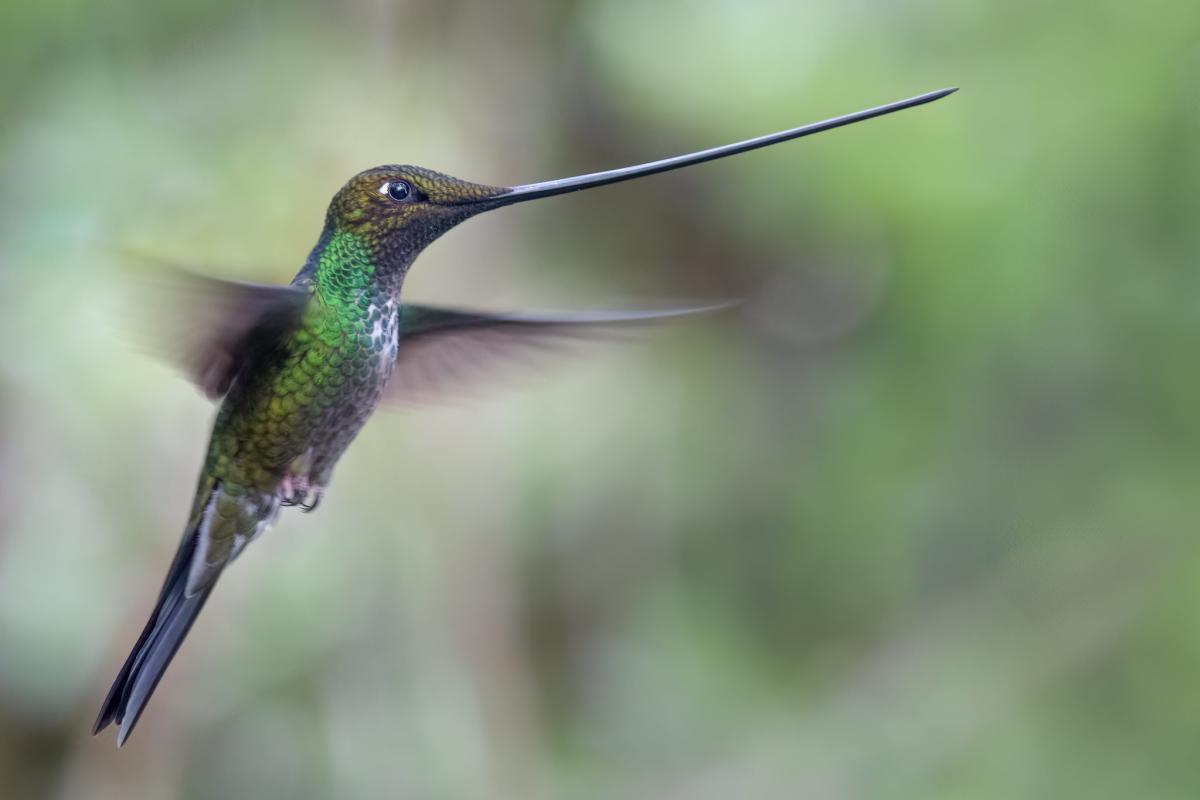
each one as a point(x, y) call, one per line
point(301, 367)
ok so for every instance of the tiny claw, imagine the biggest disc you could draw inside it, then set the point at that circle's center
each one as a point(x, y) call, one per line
point(313, 506)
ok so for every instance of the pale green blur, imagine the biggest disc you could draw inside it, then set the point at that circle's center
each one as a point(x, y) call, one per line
point(918, 521)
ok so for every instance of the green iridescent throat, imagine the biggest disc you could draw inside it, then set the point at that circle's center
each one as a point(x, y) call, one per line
point(345, 268)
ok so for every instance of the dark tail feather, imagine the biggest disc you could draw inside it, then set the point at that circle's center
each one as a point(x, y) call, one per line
point(169, 624)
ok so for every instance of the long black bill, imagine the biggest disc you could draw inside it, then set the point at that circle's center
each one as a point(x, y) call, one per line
point(532, 191)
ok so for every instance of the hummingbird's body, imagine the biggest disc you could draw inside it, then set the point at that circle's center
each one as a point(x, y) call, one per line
point(285, 426)
point(301, 368)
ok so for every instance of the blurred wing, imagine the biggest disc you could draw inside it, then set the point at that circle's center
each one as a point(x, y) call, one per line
point(212, 328)
point(444, 351)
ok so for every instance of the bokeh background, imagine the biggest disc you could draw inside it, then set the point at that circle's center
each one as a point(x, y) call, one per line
point(917, 521)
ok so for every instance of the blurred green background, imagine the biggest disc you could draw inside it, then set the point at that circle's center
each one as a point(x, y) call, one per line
point(919, 521)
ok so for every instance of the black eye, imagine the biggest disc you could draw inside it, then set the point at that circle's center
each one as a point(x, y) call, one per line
point(397, 190)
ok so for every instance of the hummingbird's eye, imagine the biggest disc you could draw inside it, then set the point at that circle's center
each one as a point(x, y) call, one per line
point(397, 190)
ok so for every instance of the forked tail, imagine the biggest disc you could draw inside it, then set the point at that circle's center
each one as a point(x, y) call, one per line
point(168, 625)
point(222, 522)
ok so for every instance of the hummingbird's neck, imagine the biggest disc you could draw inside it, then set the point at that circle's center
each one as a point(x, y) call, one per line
point(344, 267)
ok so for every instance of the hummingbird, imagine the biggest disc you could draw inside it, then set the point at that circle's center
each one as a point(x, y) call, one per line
point(299, 369)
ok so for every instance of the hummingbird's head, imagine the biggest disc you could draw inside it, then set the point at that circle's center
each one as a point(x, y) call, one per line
point(395, 211)
point(384, 217)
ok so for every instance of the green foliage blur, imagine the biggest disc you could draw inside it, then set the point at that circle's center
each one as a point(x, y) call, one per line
point(917, 521)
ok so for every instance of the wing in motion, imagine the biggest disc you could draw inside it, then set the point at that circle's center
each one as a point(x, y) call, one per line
point(444, 350)
point(213, 329)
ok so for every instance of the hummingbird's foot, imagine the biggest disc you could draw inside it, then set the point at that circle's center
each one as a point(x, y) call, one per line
point(293, 490)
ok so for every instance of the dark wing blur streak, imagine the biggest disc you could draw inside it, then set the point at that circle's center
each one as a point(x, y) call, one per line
point(443, 351)
point(214, 328)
